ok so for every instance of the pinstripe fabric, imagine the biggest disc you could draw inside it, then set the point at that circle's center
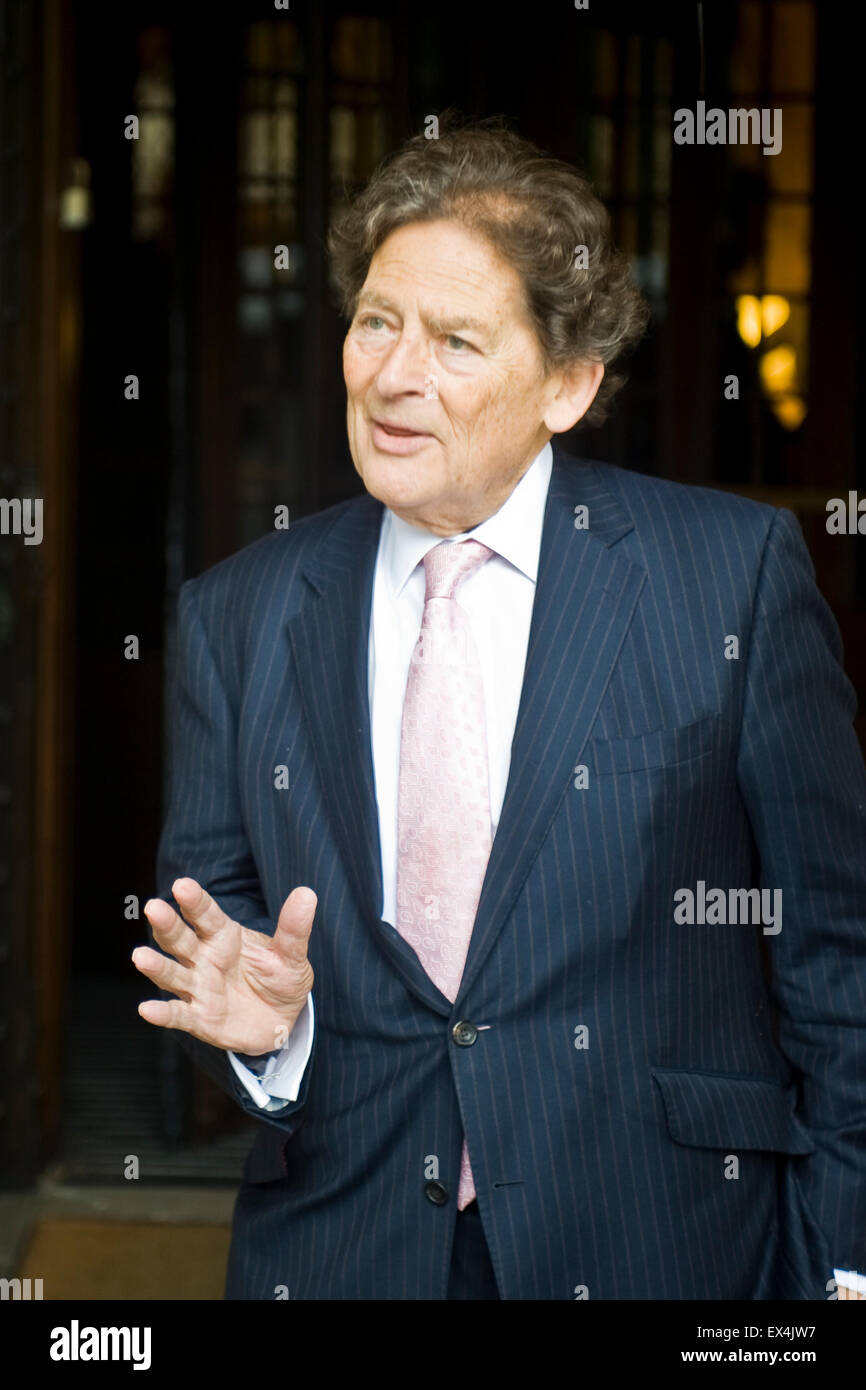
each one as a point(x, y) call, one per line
point(627, 1059)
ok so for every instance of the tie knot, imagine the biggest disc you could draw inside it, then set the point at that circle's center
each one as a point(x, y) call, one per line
point(449, 563)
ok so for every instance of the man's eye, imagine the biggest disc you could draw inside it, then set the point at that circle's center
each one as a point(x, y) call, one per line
point(455, 343)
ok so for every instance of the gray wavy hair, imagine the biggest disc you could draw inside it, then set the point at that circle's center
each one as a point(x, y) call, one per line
point(533, 209)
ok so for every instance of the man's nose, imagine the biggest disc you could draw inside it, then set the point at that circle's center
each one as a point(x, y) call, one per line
point(407, 365)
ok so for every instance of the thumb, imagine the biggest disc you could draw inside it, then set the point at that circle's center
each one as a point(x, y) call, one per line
point(294, 924)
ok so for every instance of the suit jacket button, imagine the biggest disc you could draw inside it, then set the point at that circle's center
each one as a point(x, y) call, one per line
point(464, 1033)
point(435, 1192)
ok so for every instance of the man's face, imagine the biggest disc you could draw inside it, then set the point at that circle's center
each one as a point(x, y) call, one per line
point(441, 345)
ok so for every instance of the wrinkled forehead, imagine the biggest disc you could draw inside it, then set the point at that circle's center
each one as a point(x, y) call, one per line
point(441, 270)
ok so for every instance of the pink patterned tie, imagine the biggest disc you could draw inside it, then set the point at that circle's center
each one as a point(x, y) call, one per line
point(443, 817)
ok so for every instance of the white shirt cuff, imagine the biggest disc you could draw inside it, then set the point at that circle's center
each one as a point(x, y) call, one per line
point(850, 1279)
point(281, 1079)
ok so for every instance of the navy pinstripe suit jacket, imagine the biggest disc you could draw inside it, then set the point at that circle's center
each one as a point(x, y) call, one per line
point(703, 1136)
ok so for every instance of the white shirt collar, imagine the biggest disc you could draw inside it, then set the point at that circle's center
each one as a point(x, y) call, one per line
point(514, 532)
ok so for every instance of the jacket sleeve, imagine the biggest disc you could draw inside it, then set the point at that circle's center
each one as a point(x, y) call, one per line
point(802, 777)
point(203, 836)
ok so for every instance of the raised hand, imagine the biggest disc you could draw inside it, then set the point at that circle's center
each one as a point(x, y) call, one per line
point(237, 989)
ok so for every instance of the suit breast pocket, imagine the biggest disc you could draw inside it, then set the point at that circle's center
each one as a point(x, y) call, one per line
point(657, 748)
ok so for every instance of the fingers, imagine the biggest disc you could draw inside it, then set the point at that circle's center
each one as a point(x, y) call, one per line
point(199, 908)
point(166, 1013)
point(168, 974)
point(171, 931)
point(295, 923)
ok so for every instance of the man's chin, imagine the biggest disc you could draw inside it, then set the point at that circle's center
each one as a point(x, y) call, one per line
point(408, 508)
point(394, 482)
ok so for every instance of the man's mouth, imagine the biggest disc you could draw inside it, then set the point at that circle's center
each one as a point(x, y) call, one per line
point(398, 430)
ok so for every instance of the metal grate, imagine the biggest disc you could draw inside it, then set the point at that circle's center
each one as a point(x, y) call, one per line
point(113, 1098)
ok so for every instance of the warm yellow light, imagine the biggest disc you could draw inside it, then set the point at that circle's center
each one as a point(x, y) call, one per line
point(749, 319)
point(790, 411)
point(778, 369)
point(775, 310)
point(758, 318)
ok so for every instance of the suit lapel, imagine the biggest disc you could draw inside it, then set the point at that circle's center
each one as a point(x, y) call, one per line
point(329, 638)
point(584, 601)
point(585, 598)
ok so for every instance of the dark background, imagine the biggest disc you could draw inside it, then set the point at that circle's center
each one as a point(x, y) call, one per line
point(155, 257)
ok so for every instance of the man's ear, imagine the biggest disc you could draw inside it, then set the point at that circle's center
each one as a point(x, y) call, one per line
point(577, 391)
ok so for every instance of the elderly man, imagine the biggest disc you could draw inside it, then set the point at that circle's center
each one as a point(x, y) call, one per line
point(483, 784)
